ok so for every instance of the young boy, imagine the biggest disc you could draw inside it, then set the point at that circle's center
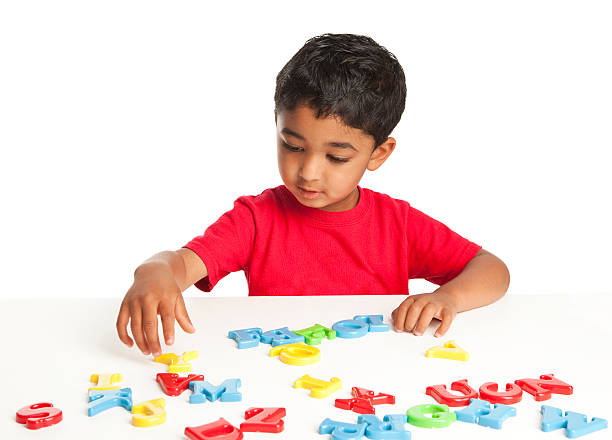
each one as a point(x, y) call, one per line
point(336, 102)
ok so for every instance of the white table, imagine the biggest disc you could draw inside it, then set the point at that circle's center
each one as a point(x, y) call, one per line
point(53, 346)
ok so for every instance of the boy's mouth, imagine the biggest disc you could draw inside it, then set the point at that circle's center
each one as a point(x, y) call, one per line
point(308, 194)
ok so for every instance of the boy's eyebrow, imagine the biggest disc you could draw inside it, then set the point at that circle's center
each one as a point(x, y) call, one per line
point(332, 144)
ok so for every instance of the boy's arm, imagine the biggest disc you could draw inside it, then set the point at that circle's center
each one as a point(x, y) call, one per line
point(483, 280)
point(157, 289)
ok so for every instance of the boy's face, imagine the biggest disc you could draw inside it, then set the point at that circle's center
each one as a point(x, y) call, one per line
point(324, 156)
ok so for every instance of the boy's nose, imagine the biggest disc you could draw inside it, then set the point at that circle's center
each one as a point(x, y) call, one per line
point(311, 169)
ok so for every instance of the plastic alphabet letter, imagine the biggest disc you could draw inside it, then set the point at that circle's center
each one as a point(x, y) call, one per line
point(479, 411)
point(318, 388)
point(102, 400)
point(173, 385)
point(358, 405)
point(476, 409)
point(449, 350)
point(543, 387)
point(375, 322)
point(513, 393)
point(219, 430)
point(149, 413)
point(39, 415)
point(297, 354)
point(442, 395)
point(497, 416)
point(105, 381)
point(247, 337)
point(363, 401)
point(281, 336)
point(177, 364)
point(575, 424)
point(441, 417)
point(227, 391)
point(350, 328)
point(391, 429)
point(263, 420)
point(342, 431)
point(376, 399)
point(313, 335)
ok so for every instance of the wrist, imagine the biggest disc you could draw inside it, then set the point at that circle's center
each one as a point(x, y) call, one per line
point(150, 269)
point(450, 297)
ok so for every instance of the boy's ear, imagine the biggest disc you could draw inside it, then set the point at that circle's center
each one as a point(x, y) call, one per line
point(380, 155)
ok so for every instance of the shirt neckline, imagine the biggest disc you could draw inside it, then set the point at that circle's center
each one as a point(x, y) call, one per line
point(326, 218)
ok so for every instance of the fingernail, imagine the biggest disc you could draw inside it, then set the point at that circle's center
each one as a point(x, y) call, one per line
point(169, 341)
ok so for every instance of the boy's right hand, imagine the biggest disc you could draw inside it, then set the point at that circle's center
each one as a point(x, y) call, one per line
point(154, 292)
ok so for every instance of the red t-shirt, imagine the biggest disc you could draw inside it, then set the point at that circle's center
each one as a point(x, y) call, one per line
point(286, 248)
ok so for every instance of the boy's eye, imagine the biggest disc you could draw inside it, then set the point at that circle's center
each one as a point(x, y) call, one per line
point(332, 158)
point(290, 148)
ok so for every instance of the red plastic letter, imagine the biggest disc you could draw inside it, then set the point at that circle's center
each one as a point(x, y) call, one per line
point(442, 395)
point(513, 393)
point(173, 384)
point(543, 387)
point(219, 430)
point(363, 401)
point(358, 405)
point(375, 399)
point(39, 415)
point(263, 420)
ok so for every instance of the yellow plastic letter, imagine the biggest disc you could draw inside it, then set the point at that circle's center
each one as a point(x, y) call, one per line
point(149, 413)
point(297, 354)
point(176, 363)
point(318, 388)
point(105, 381)
point(450, 350)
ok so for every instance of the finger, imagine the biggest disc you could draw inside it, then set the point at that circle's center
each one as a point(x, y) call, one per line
point(136, 326)
point(166, 312)
point(412, 315)
point(427, 314)
point(149, 326)
point(447, 319)
point(182, 316)
point(122, 322)
point(400, 314)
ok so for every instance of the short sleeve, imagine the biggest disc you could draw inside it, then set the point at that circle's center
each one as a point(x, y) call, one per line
point(436, 253)
point(226, 245)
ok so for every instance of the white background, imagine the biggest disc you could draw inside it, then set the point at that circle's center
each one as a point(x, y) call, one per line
point(127, 127)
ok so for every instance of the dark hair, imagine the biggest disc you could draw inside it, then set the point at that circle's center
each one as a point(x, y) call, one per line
point(349, 76)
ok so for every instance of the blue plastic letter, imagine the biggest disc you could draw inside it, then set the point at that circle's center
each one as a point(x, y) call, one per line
point(247, 337)
point(281, 336)
point(101, 400)
point(228, 391)
point(342, 431)
point(350, 328)
point(391, 429)
point(575, 424)
point(471, 413)
point(497, 416)
point(374, 321)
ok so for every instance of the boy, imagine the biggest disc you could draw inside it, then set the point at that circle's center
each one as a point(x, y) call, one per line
point(336, 102)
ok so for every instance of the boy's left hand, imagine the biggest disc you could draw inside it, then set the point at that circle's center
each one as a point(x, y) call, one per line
point(415, 313)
